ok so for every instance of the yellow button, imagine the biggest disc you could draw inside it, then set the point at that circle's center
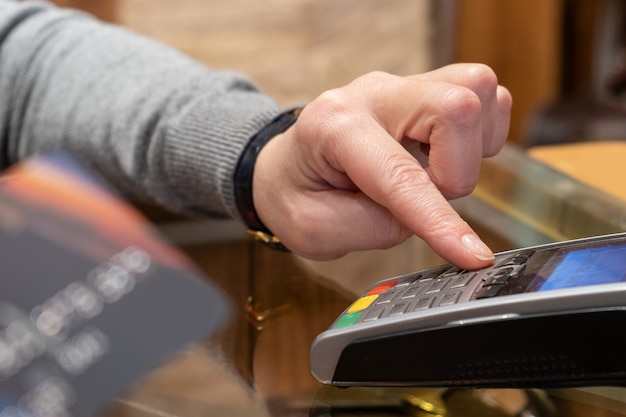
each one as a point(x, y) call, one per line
point(362, 303)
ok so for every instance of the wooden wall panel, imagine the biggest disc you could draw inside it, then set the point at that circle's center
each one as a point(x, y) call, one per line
point(293, 48)
point(297, 48)
point(521, 40)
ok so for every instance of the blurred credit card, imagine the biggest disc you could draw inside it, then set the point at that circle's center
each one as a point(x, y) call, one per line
point(90, 296)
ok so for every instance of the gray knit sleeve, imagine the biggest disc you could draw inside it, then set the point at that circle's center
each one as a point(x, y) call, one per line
point(159, 126)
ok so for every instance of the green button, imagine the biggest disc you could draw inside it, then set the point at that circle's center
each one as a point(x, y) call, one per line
point(347, 320)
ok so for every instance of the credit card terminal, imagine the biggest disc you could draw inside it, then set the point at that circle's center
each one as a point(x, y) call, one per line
point(546, 316)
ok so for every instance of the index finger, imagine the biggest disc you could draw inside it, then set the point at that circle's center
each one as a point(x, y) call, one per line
point(447, 117)
point(389, 175)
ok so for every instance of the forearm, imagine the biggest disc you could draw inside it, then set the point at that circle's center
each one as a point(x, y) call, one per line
point(161, 127)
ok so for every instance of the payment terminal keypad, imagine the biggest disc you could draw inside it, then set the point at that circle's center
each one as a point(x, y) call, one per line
point(437, 287)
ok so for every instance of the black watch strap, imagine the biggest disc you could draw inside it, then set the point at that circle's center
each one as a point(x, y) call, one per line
point(244, 173)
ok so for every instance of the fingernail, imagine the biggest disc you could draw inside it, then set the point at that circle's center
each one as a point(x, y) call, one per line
point(473, 244)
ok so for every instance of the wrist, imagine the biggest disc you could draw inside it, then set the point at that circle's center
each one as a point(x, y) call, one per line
point(244, 174)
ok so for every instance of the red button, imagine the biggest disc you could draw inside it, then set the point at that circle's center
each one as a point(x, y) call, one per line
point(380, 288)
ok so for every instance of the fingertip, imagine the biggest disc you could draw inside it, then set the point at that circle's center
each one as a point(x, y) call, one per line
point(469, 252)
point(477, 247)
point(477, 253)
point(504, 95)
point(502, 122)
point(505, 101)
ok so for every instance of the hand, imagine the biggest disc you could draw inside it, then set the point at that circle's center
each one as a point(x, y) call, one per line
point(369, 164)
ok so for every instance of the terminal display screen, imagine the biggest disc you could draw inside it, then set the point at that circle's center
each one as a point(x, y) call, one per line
point(580, 266)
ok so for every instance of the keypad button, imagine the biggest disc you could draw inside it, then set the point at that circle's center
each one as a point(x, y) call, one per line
point(490, 291)
point(511, 271)
point(410, 292)
point(454, 271)
point(386, 297)
point(362, 303)
point(499, 278)
point(347, 320)
point(517, 271)
point(423, 303)
point(517, 259)
point(382, 287)
point(409, 279)
point(463, 280)
point(434, 273)
point(374, 313)
point(436, 286)
point(450, 298)
point(397, 309)
point(413, 290)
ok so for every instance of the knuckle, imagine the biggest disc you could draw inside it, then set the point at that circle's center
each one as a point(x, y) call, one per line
point(406, 180)
point(462, 104)
point(330, 113)
point(409, 180)
point(377, 76)
point(459, 107)
point(481, 78)
point(440, 223)
point(332, 100)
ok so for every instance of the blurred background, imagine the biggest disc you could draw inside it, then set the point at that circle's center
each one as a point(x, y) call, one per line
point(561, 59)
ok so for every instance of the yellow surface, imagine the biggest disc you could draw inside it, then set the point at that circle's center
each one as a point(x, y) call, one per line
point(599, 164)
point(362, 303)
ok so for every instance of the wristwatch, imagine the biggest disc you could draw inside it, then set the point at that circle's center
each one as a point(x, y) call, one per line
point(245, 171)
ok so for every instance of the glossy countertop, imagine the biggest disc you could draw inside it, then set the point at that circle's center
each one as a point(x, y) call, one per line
point(258, 365)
